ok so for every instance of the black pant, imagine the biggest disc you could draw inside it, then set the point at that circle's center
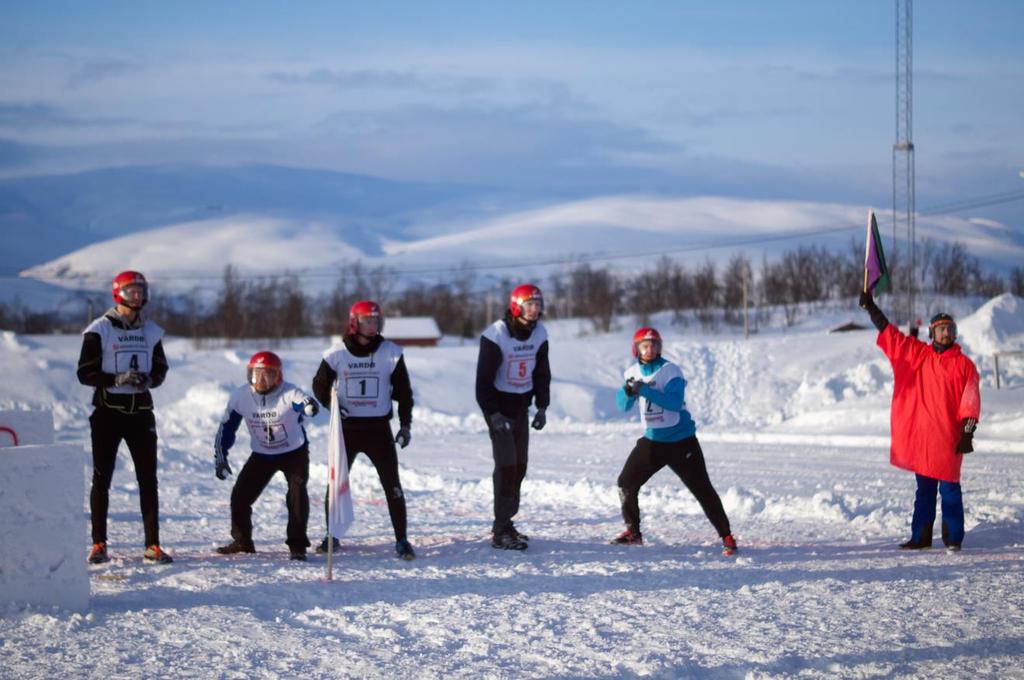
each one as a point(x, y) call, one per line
point(379, 446)
point(138, 430)
point(511, 452)
point(686, 459)
point(254, 477)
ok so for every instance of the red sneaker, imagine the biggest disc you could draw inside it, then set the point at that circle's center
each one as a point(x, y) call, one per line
point(98, 554)
point(729, 545)
point(155, 554)
point(629, 537)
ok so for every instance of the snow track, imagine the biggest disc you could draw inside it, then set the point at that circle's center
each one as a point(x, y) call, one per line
point(794, 434)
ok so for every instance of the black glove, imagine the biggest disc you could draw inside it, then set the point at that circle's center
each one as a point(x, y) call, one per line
point(966, 443)
point(878, 318)
point(499, 422)
point(632, 387)
point(403, 437)
point(220, 463)
point(310, 407)
point(539, 420)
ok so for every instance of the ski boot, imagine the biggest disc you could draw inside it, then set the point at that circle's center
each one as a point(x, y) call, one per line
point(235, 547)
point(403, 549)
point(507, 540)
point(322, 548)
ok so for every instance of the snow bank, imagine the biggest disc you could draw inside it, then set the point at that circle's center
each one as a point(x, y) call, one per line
point(997, 326)
point(41, 491)
point(18, 428)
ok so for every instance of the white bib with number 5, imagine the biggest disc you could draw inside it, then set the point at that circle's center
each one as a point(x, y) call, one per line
point(519, 357)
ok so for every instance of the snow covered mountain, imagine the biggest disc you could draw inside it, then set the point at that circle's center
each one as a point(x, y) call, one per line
point(182, 224)
point(627, 231)
point(44, 217)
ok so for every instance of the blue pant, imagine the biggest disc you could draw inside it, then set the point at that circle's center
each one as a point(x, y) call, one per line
point(924, 511)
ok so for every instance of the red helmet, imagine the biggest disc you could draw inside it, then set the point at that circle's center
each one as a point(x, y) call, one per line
point(521, 294)
point(129, 278)
point(364, 308)
point(265, 360)
point(647, 334)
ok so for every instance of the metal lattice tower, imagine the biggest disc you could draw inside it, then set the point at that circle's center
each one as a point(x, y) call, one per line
point(903, 162)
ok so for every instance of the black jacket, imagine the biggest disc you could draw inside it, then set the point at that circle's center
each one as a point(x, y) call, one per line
point(401, 388)
point(490, 398)
point(90, 372)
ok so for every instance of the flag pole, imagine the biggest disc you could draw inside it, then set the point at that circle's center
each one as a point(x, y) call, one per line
point(867, 250)
point(330, 546)
point(330, 481)
point(330, 557)
point(339, 495)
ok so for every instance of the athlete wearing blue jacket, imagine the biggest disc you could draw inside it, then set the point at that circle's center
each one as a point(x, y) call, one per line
point(669, 439)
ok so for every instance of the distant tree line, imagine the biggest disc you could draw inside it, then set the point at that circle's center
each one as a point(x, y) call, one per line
point(708, 294)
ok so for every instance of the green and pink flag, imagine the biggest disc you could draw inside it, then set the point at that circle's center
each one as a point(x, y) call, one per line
point(876, 274)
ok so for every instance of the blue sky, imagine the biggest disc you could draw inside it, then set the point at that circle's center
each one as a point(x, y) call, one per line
point(777, 99)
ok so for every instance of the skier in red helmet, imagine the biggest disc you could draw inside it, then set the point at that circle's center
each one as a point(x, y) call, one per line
point(122, 357)
point(273, 409)
point(670, 439)
point(512, 371)
point(370, 373)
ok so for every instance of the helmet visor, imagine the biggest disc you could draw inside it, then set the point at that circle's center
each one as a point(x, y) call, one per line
point(368, 324)
point(133, 295)
point(532, 309)
point(264, 378)
point(648, 350)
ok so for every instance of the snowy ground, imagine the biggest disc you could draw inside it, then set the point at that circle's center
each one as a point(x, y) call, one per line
point(794, 427)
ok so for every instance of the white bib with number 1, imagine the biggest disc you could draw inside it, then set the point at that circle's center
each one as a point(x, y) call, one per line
point(364, 383)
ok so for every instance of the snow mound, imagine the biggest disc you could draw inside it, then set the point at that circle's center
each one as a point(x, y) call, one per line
point(997, 326)
point(9, 340)
point(860, 381)
point(41, 490)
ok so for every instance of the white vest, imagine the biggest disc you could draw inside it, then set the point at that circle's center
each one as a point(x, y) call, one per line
point(518, 357)
point(126, 350)
point(364, 383)
point(274, 425)
point(652, 415)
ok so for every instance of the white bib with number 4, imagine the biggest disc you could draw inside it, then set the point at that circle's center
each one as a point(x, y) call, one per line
point(126, 350)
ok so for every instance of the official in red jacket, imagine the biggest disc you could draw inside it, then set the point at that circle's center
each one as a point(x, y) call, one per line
point(935, 409)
